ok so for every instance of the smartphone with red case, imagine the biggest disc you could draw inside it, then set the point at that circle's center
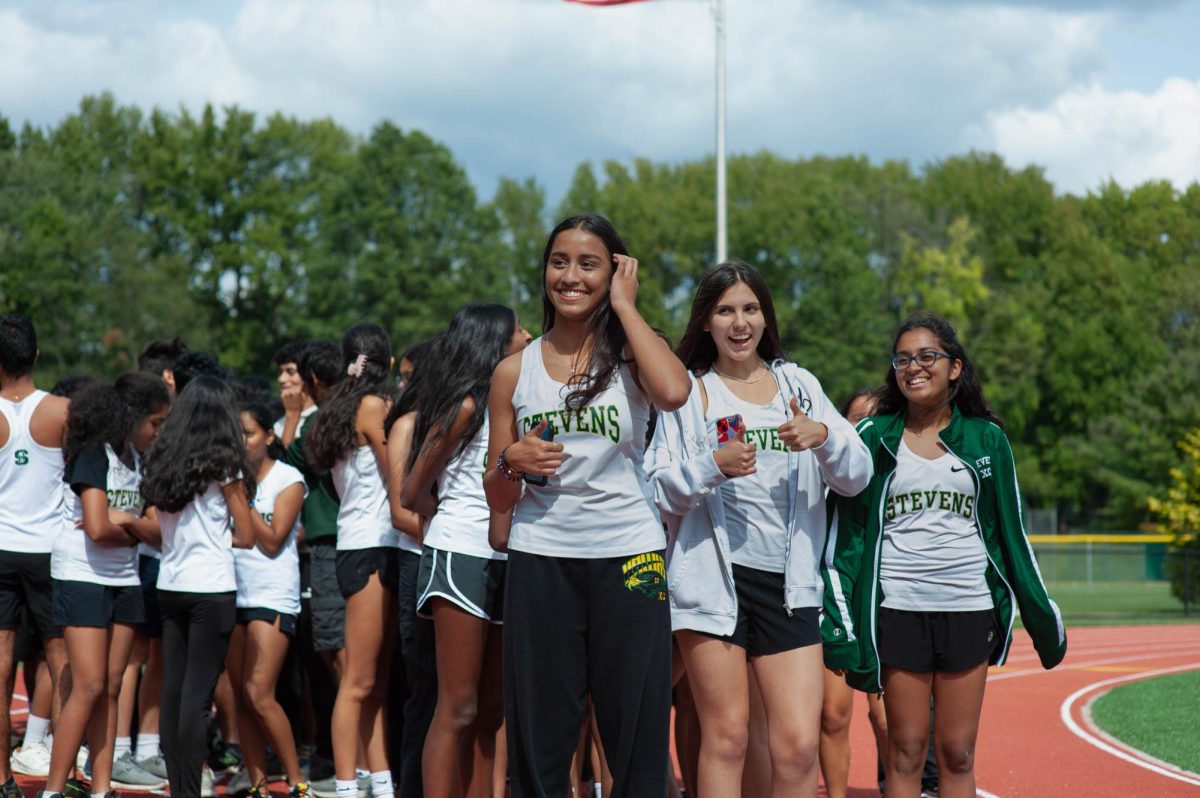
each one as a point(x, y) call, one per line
point(728, 428)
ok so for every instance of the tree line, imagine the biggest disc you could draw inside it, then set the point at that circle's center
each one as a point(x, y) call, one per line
point(240, 232)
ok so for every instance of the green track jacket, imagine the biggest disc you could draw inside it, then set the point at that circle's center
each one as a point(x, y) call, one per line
point(850, 566)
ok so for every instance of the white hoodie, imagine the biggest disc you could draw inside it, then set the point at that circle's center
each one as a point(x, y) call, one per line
point(685, 477)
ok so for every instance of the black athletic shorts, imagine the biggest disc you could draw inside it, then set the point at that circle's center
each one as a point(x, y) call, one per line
point(148, 572)
point(764, 625)
point(287, 623)
point(473, 584)
point(941, 642)
point(355, 566)
point(25, 583)
point(327, 603)
point(97, 606)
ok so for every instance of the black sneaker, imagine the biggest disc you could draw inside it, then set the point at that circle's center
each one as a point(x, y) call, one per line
point(76, 789)
point(10, 789)
point(225, 758)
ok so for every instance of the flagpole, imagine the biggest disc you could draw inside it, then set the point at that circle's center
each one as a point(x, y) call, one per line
point(722, 237)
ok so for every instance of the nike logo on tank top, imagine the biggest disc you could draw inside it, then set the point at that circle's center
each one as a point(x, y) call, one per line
point(31, 493)
point(599, 504)
point(932, 558)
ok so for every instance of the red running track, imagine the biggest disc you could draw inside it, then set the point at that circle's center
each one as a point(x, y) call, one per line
point(1036, 739)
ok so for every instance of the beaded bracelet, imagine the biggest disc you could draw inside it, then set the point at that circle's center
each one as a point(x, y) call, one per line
point(506, 470)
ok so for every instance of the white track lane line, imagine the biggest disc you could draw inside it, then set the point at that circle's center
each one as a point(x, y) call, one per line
point(985, 793)
point(1089, 652)
point(1092, 739)
point(1092, 664)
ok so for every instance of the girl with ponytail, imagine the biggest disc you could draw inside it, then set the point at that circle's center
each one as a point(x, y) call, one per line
point(348, 439)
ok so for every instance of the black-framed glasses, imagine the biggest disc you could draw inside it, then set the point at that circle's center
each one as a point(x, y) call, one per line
point(925, 359)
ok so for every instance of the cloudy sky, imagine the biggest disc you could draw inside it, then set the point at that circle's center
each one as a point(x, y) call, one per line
point(1089, 89)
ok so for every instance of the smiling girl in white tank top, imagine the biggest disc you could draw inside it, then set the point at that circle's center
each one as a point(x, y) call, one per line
point(585, 604)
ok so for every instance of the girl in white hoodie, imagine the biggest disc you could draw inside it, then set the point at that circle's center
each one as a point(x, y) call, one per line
point(740, 474)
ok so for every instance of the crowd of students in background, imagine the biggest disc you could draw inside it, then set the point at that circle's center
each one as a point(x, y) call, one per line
point(496, 565)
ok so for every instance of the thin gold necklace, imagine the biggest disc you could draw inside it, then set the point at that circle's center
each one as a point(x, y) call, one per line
point(759, 378)
point(570, 361)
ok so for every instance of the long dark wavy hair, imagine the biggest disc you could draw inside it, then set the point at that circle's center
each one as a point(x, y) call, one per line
point(966, 392)
point(696, 348)
point(201, 442)
point(333, 435)
point(97, 415)
point(467, 354)
point(107, 413)
point(421, 355)
point(608, 341)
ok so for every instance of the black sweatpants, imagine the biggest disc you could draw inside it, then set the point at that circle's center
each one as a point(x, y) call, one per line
point(574, 627)
point(418, 657)
point(196, 631)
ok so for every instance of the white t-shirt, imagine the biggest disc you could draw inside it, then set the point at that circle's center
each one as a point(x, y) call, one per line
point(31, 492)
point(304, 414)
point(600, 503)
point(364, 517)
point(932, 559)
point(756, 505)
point(197, 546)
point(76, 557)
point(262, 580)
point(461, 522)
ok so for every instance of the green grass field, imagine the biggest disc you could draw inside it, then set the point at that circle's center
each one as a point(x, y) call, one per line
point(1119, 603)
point(1139, 713)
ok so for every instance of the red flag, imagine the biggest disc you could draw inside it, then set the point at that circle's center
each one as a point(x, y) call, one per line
point(604, 2)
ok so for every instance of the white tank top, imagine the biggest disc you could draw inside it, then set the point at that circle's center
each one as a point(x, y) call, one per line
point(932, 558)
point(31, 490)
point(364, 518)
point(197, 546)
point(756, 505)
point(599, 504)
point(76, 556)
point(460, 524)
point(264, 581)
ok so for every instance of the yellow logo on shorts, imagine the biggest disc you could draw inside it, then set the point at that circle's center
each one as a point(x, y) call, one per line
point(646, 574)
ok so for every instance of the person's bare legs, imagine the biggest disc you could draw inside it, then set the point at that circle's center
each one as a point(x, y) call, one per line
point(127, 697)
point(906, 698)
point(756, 774)
point(718, 676)
point(836, 711)
point(791, 683)
point(358, 710)
point(957, 704)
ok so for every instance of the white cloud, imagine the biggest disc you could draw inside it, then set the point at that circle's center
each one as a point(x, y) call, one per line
point(1085, 136)
point(520, 87)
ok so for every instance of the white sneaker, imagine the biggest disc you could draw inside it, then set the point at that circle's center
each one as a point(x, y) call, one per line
point(206, 783)
point(239, 782)
point(32, 760)
point(127, 775)
point(81, 763)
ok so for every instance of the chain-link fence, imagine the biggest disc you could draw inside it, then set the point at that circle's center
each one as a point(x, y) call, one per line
point(1120, 578)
